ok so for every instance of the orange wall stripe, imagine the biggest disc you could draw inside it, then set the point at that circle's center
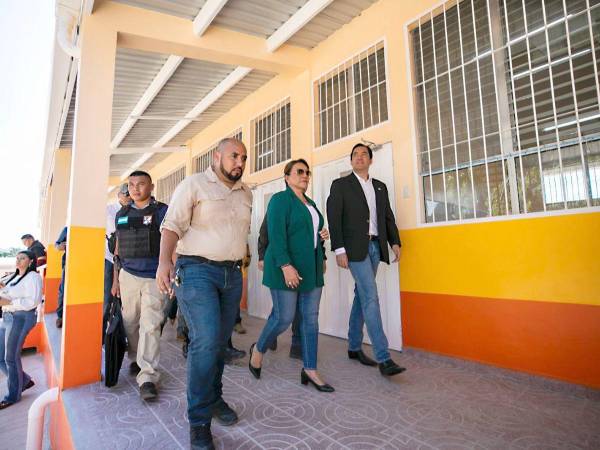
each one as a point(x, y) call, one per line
point(544, 259)
point(544, 338)
point(51, 294)
point(82, 345)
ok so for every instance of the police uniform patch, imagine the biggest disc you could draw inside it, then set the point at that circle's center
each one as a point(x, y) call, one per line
point(147, 220)
point(122, 220)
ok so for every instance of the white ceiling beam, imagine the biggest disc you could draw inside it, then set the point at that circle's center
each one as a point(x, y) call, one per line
point(295, 23)
point(134, 150)
point(152, 91)
point(206, 15)
point(219, 90)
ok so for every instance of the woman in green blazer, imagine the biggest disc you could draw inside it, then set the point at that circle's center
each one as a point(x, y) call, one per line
point(293, 269)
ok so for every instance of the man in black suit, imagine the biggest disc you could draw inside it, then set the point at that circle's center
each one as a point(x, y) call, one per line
point(361, 224)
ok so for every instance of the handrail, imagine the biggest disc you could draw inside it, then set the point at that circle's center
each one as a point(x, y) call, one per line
point(35, 418)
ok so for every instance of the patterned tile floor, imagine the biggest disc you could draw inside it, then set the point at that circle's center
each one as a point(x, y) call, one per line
point(438, 403)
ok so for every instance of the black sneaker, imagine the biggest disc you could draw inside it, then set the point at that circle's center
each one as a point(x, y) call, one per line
point(201, 438)
point(296, 352)
point(148, 391)
point(29, 385)
point(223, 414)
point(134, 369)
point(232, 353)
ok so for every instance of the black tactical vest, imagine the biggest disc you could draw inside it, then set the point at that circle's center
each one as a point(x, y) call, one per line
point(138, 231)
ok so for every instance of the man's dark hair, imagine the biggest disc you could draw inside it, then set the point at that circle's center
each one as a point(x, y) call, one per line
point(360, 144)
point(27, 236)
point(140, 173)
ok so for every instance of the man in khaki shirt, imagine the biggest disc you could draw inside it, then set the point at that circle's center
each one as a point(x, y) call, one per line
point(209, 221)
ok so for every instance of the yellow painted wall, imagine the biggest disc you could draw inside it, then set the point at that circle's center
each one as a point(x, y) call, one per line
point(552, 258)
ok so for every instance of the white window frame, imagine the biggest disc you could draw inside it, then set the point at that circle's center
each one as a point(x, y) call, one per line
point(253, 138)
point(508, 155)
point(329, 73)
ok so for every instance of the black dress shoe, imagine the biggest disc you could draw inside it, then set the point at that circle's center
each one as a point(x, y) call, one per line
point(201, 438)
point(389, 368)
point(232, 353)
point(29, 385)
point(305, 379)
point(296, 352)
point(253, 370)
point(223, 414)
point(362, 358)
point(134, 369)
point(4, 404)
point(148, 391)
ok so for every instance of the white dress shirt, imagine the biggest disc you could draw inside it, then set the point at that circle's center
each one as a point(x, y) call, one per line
point(111, 213)
point(369, 191)
point(315, 221)
point(24, 296)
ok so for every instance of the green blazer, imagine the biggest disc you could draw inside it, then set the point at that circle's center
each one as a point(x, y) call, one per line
point(291, 241)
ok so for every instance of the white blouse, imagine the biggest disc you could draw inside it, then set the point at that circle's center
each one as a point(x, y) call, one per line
point(315, 220)
point(24, 296)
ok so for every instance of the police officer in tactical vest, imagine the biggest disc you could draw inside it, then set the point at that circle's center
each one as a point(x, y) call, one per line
point(136, 260)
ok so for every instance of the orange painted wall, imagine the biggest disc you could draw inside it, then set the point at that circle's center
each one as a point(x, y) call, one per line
point(34, 337)
point(51, 294)
point(546, 338)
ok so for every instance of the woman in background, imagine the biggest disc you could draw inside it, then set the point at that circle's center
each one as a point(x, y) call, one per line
point(19, 297)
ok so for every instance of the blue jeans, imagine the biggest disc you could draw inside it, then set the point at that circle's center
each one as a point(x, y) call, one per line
point(61, 295)
point(108, 280)
point(282, 315)
point(365, 308)
point(13, 330)
point(208, 297)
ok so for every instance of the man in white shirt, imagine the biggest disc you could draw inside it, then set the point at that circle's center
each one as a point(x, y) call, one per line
point(123, 199)
point(362, 224)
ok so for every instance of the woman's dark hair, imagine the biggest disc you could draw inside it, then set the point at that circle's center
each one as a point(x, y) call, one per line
point(287, 170)
point(288, 167)
point(30, 268)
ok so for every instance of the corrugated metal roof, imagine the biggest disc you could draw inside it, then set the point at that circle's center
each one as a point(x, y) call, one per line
point(121, 163)
point(190, 83)
point(257, 17)
point(134, 71)
point(332, 18)
point(186, 9)
point(66, 140)
point(235, 95)
point(263, 17)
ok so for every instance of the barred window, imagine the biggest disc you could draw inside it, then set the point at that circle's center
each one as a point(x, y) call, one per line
point(202, 162)
point(351, 97)
point(507, 107)
point(272, 136)
point(166, 185)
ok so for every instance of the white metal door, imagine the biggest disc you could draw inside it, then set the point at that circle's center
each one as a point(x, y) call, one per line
point(259, 297)
point(338, 293)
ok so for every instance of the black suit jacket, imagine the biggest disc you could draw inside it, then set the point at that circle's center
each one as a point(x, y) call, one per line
point(348, 217)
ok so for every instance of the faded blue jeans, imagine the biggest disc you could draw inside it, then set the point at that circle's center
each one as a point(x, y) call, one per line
point(13, 330)
point(208, 297)
point(365, 308)
point(282, 315)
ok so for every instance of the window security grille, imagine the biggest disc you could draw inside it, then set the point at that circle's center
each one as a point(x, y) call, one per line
point(166, 185)
point(202, 162)
point(507, 107)
point(272, 136)
point(351, 97)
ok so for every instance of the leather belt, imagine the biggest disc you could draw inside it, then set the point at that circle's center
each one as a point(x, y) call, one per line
point(203, 260)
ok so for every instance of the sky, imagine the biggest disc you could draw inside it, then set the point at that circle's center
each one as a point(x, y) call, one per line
point(26, 49)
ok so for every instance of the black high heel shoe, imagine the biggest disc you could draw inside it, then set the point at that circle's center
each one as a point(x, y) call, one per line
point(305, 379)
point(253, 370)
